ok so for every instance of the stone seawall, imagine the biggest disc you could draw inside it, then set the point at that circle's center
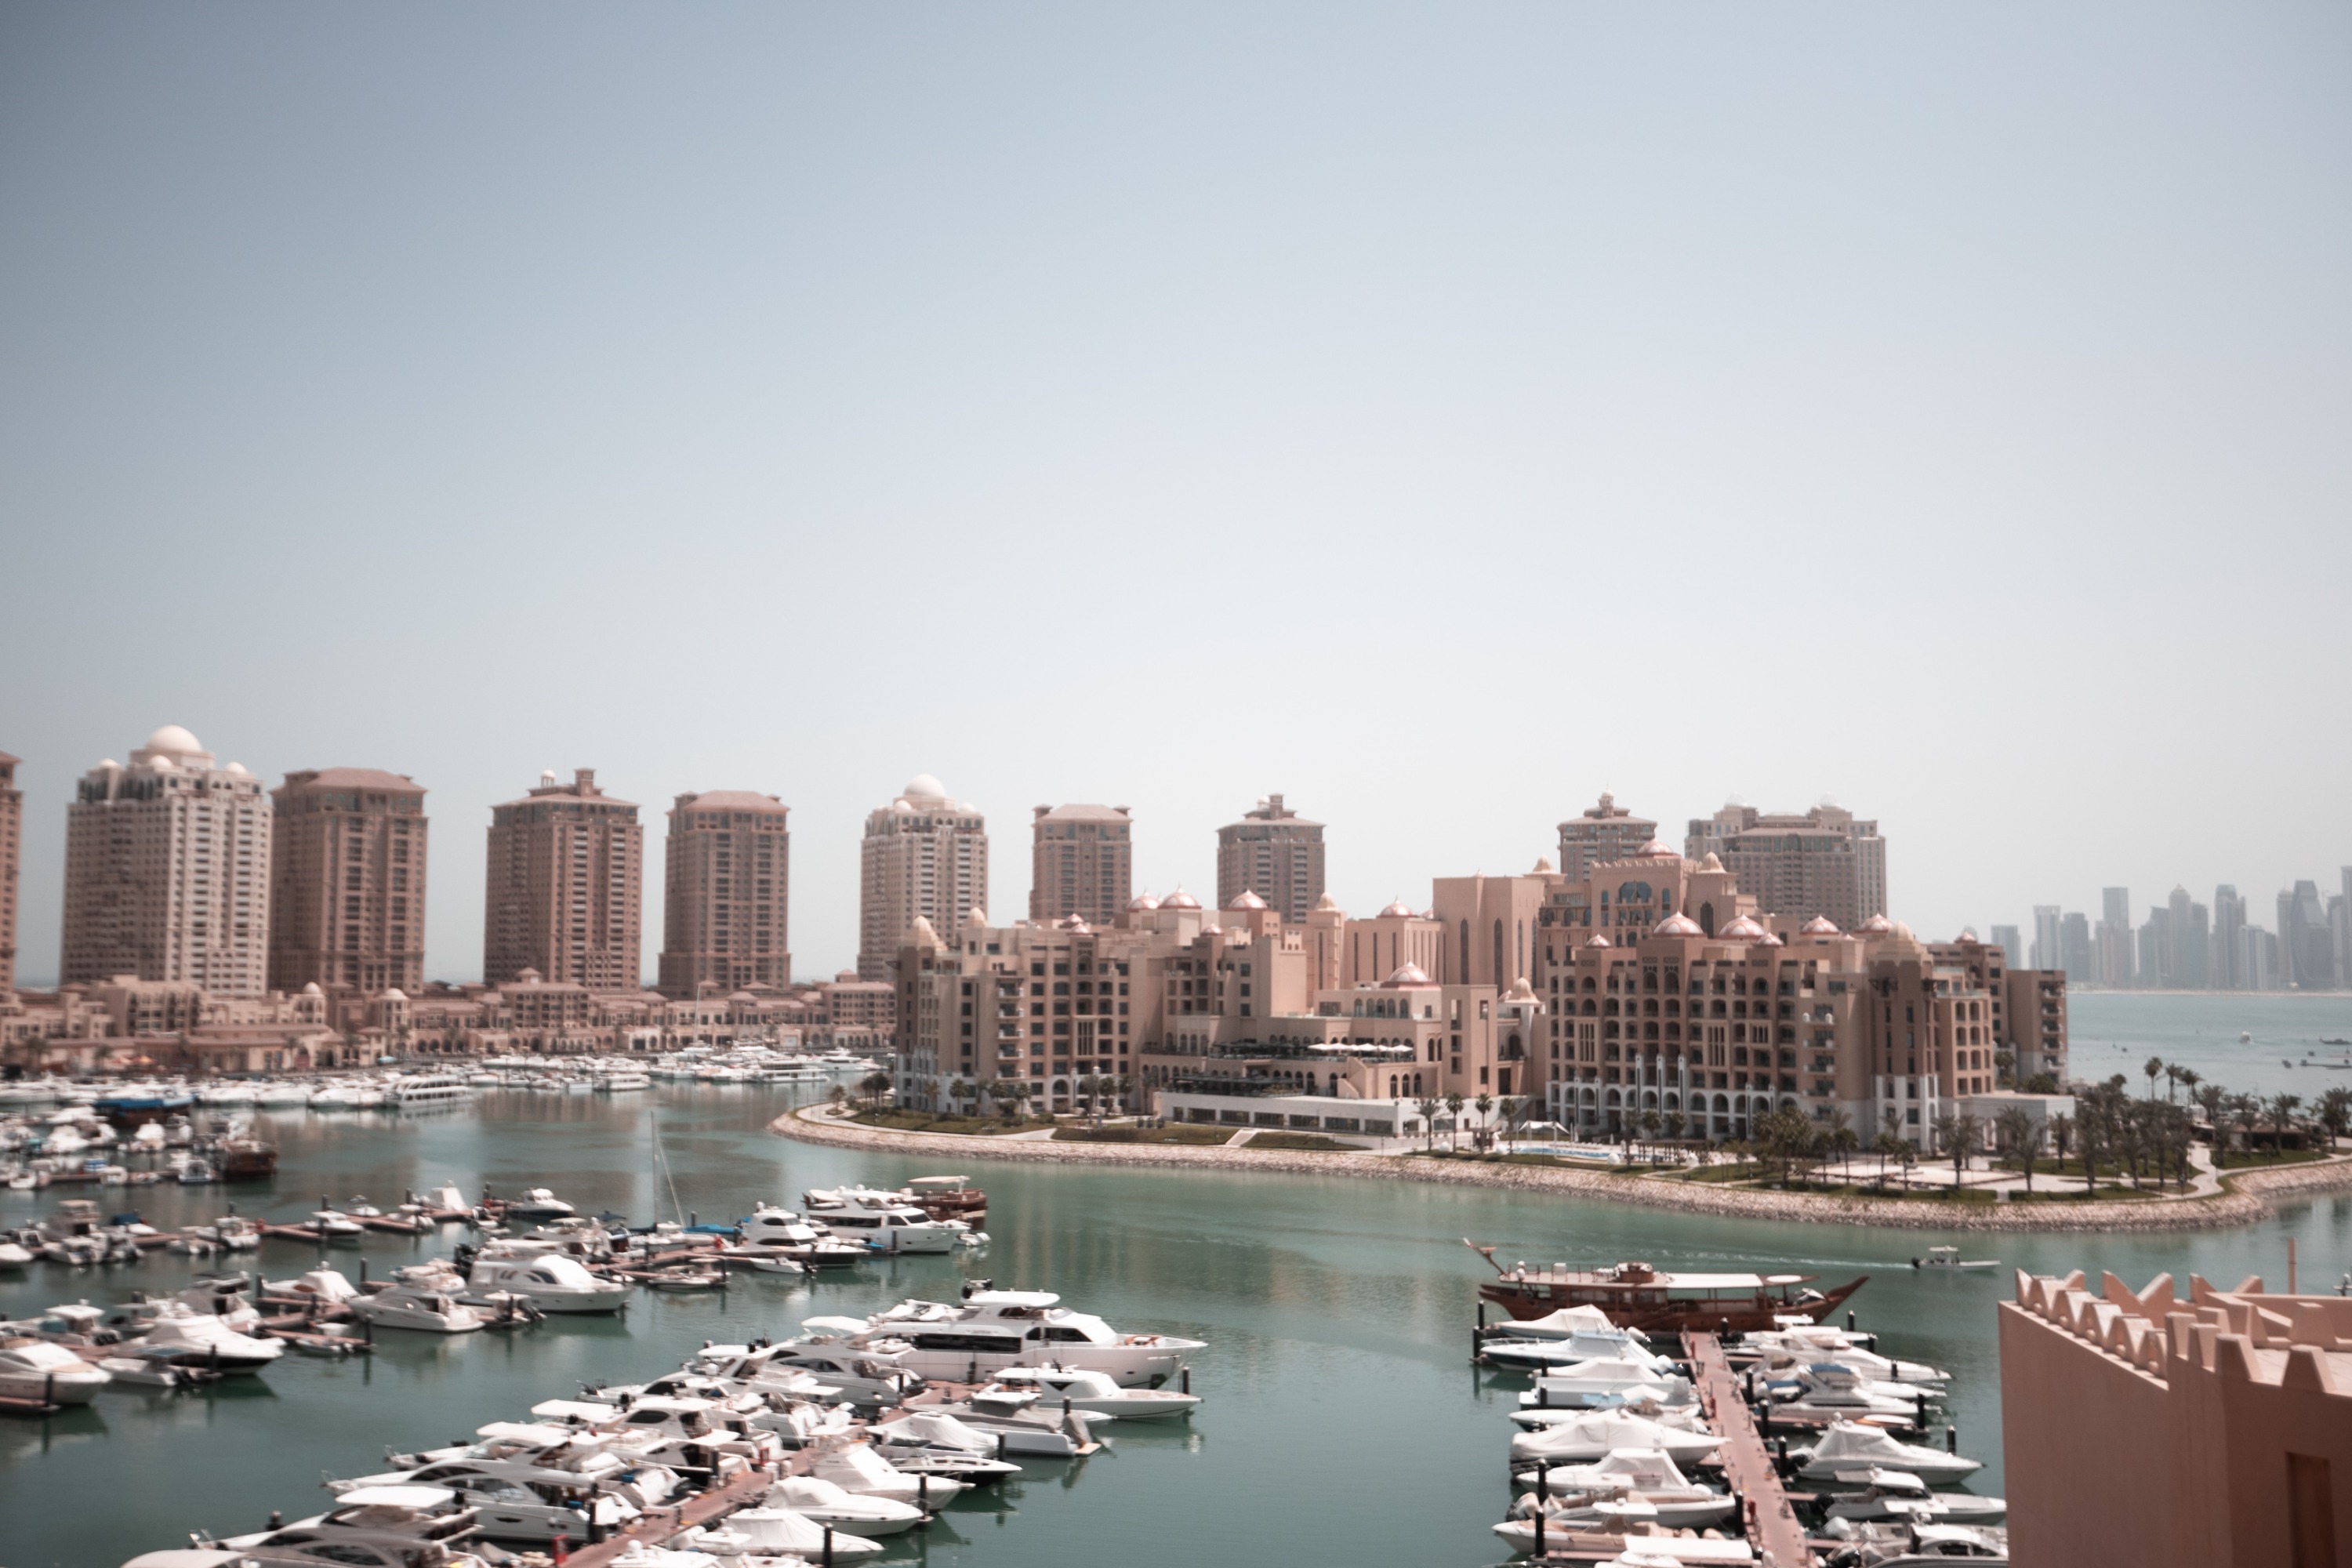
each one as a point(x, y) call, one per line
point(2250, 1199)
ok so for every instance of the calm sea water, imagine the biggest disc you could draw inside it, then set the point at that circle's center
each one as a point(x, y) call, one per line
point(1342, 1419)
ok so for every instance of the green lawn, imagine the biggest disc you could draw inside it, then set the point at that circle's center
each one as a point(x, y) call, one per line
point(2259, 1160)
point(948, 1121)
point(1177, 1132)
point(1475, 1158)
point(1302, 1143)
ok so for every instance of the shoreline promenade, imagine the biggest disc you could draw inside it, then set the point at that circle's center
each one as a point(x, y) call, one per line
point(2248, 1200)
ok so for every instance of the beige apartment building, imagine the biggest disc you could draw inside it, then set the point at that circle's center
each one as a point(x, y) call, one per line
point(167, 871)
point(12, 838)
point(1605, 832)
point(1082, 862)
point(925, 858)
point(1824, 862)
point(726, 910)
point(347, 881)
point(1274, 853)
point(565, 890)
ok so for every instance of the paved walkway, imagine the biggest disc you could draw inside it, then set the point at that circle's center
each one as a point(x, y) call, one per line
point(1772, 1524)
point(2249, 1201)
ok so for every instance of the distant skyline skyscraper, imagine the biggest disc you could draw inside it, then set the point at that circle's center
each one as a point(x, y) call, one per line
point(726, 893)
point(167, 871)
point(12, 837)
point(564, 889)
point(1081, 862)
point(1274, 853)
point(2047, 947)
point(2228, 969)
point(2011, 945)
point(2113, 939)
point(347, 881)
point(2306, 948)
point(925, 856)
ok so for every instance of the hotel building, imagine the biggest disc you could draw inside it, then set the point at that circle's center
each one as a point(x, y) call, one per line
point(1822, 863)
point(347, 881)
point(1605, 832)
point(725, 896)
point(1274, 853)
point(167, 871)
point(1081, 862)
point(565, 890)
point(925, 858)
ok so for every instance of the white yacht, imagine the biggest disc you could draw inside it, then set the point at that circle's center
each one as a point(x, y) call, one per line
point(1096, 1393)
point(334, 1224)
point(418, 1304)
point(785, 1232)
point(1589, 1384)
point(1887, 1494)
point(538, 1204)
point(815, 1498)
point(883, 1221)
point(854, 1467)
point(36, 1369)
point(550, 1282)
point(427, 1090)
point(778, 1535)
point(1049, 1334)
point(202, 1340)
point(863, 1376)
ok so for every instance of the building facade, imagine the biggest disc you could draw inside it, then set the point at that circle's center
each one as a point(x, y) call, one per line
point(726, 903)
point(12, 838)
point(1274, 853)
point(2306, 948)
point(564, 894)
point(1081, 862)
point(1825, 862)
point(167, 871)
point(347, 868)
point(925, 858)
point(1605, 832)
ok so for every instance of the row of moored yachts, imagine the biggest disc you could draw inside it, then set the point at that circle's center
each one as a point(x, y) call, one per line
point(1610, 1428)
point(806, 1451)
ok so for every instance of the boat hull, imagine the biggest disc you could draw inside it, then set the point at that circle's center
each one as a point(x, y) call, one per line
point(1536, 1298)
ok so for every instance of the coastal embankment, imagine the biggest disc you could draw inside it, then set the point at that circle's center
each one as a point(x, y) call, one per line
point(2249, 1195)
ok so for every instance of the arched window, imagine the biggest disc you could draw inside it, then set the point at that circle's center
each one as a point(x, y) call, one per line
point(1707, 918)
point(1465, 954)
point(1500, 979)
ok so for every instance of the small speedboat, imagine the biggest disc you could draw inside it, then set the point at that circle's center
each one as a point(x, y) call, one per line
point(781, 1532)
point(1950, 1258)
point(35, 1368)
point(855, 1467)
point(1887, 1494)
point(1095, 1393)
point(1848, 1445)
point(419, 1305)
point(686, 1277)
point(538, 1204)
point(1592, 1435)
point(333, 1225)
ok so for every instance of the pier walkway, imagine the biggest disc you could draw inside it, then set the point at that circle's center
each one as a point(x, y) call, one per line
point(1770, 1523)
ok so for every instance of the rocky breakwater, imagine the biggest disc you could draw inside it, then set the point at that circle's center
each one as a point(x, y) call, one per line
point(2250, 1197)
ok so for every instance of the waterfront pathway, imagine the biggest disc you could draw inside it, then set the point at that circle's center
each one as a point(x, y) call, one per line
point(2249, 1200)
point(1770, 1523)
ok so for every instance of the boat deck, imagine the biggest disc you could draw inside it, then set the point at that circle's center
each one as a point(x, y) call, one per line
point(1770, 1521)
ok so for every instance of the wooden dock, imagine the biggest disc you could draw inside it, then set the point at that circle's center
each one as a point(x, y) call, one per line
point(1767, 1519)
point(659, 1524)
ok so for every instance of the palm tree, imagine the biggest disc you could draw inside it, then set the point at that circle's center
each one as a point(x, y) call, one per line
point(1965, 1131)
point(2062, 1134)
point(2247, 1112)
point(1840, 1138)
point(1454, 1103)
point(2281, 1109)
point(2213, 1099)
point(1651, 1122)
point(1122, 1087)
point(1946, 1130)
point(1485, 1104)
point(2153, 1065)
point(963, 1092)
point(2335, 1113)
point(1675, 1124)
point(1428, 1108)
point(2021, 1135)
point(1889, 1142)
point(2171, 1080)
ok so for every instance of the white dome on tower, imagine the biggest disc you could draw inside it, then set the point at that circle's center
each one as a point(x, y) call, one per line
point(1741, 929)
point(924, 786)
point(1678, 925)
point(1245, 900)
point(1142, 903)
point(173, 738)
point(1180, 900)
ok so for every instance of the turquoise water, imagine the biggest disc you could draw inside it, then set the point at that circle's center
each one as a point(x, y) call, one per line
point(1342, 1419)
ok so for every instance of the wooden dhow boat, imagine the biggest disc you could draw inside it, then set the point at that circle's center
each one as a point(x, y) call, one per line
point(1636, 1296)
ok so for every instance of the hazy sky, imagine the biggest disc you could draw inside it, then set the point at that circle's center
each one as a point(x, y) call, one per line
point(1435, 412)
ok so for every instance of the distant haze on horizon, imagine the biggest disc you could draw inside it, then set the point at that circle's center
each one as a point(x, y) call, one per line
point(1437, 414)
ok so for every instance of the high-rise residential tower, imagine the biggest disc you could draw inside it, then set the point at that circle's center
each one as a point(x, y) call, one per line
point(565, 890)
point(1274, 853)
point(2189, 930)
point(2227, 970)
point(1081, 862)
point(726, 897)
point(12, 822)
point(1604, 833)
point(2112, 938)
point(347, 881)
point(2011, 945)
point(925, 854)
point(2048, 947)
point(167, 871)
point(1824, 863)
point(2307, 950)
